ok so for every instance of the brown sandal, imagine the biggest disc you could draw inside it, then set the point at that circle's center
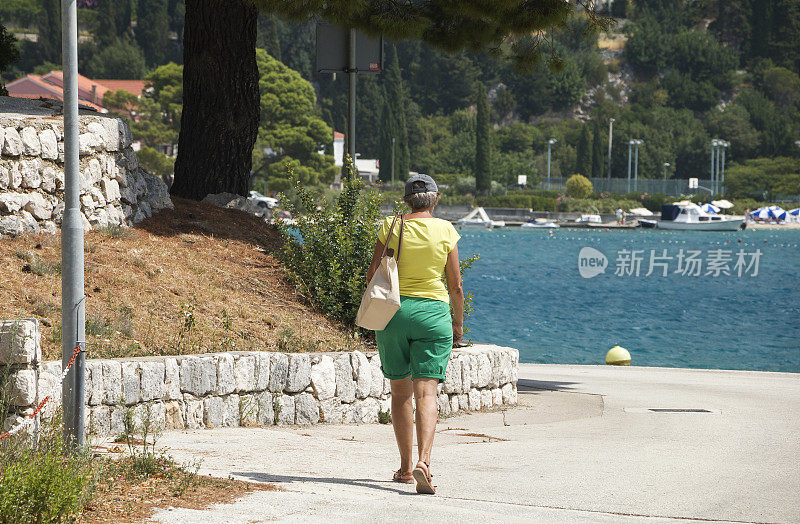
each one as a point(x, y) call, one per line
point(399, 476)
point(423, 478)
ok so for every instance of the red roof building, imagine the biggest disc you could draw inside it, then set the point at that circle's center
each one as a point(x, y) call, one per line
point(90, 92)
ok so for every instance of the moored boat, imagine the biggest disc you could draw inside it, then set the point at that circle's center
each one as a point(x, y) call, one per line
point(539, 223)
point(477, 218)
point(690, 217)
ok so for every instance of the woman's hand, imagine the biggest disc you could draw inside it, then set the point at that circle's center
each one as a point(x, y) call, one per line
point(458, 332)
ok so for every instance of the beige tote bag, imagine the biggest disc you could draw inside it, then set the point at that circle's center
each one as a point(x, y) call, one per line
point(381, 299)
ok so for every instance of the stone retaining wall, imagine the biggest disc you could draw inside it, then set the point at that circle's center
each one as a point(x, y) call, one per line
point(114, 190)
point(263, 388)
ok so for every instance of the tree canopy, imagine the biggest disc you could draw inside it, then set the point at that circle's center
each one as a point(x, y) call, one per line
point(290, 128)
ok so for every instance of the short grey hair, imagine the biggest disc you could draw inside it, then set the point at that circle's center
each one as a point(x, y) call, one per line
point(420, 201)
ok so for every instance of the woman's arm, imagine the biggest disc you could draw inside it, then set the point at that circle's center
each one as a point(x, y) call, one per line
point(452, 271)
point(376, 260)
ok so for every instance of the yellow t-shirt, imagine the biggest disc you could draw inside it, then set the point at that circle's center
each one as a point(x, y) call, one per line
point(426, 244)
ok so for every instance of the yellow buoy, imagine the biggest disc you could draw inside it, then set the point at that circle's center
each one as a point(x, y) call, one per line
point(618, 356)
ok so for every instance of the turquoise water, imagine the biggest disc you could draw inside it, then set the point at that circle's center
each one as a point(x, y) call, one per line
point(529, 294)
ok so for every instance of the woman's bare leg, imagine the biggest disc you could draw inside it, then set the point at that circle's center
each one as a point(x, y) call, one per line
point(402, 421)
point(427, 414)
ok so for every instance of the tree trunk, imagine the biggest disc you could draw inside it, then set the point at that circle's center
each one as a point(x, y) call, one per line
point(219, 123)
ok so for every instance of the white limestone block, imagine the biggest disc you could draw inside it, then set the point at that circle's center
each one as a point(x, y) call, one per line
point(323, 378)
point(306, 409)
point(30, 142)
point(362, 372)
point(345, 386)
point(49, 143)
point(226, 382)
point(299, 375)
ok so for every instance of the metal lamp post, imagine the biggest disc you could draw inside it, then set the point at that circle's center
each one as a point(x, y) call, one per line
point(549, 145)
point(392, 162)
point(636, 143)
point(73, 323)
point(610, 139)
point(725, 145)
point(714, 146)
point(664, 185)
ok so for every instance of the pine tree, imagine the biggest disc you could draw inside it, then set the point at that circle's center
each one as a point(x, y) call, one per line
point(483, 144)
point(152, 30)
point(583, 153)
point(597, 154)
point(49, 23)
point(388, 132)
point(395, 98)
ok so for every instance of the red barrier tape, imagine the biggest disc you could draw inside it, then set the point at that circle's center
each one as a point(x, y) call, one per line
point(43, 402)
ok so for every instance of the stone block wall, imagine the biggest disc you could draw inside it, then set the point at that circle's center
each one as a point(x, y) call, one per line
point(114, 190)
point(264, 388)
point(20, 354)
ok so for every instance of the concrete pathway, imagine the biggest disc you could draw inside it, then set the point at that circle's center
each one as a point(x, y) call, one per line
point(582, 446)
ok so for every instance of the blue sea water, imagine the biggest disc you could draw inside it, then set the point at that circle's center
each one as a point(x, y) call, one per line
point(529, 294)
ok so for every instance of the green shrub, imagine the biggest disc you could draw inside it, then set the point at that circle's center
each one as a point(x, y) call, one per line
point(654, 202)
point(39, 482)
point(578, 186)
point(328, 251)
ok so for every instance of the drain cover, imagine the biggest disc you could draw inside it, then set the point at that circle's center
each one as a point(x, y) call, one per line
point(679, 410)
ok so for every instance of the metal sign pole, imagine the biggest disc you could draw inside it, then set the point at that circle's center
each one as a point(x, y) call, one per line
point(72, 303)
point(351, 106)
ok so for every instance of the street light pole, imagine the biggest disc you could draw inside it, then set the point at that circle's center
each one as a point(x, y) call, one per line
point(630, 145)
point(351, 101)
point(610, 139)
point(549, 144)
point(725, 146)
point(636, 142)
point(664, 186)
point(392, 162)
point(714, 144)
point(73, 316)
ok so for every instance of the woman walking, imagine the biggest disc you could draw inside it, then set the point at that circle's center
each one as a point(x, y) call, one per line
point(415, 346)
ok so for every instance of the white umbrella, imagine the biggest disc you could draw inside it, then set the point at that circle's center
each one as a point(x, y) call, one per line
point(777, 213)
point(682, 203)
point(761, 213)
point(795, 211)
point(722, 204)
point(641, 211)
point(710, 208)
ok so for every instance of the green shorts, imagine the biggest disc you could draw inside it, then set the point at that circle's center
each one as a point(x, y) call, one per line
point(417, 341)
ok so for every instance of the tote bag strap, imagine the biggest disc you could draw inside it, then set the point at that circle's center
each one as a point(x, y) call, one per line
point(391, 230)
point(400, 239)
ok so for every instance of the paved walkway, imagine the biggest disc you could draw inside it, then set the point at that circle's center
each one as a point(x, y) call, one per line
point(582, 446)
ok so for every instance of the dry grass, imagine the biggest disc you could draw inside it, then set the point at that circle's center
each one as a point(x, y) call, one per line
point(612, 42)
point(192, 280)
point(118, 498)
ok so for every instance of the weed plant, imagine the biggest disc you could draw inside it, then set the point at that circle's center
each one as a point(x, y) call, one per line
point(328, 250)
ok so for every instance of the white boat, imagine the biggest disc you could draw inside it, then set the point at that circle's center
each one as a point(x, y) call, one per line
point(477, 218)
point(539, 223)
point(589, 219)
point(690, 217)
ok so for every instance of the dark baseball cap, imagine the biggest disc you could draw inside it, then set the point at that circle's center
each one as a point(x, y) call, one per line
point(428, 185)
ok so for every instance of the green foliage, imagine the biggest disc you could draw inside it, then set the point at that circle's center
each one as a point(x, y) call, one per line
point(578, 186)
point(21, 12)
point(39, 482)
point(119, 60)
point(9, 53)
point(290, 129)
point(329, 249)
point(393, 124)
point(597, 153)
point(483, 144)
point(156, 163)
point(152, 30)
point(49, 24)
point(654, 201)
point(763, 178)
point(583, 154)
